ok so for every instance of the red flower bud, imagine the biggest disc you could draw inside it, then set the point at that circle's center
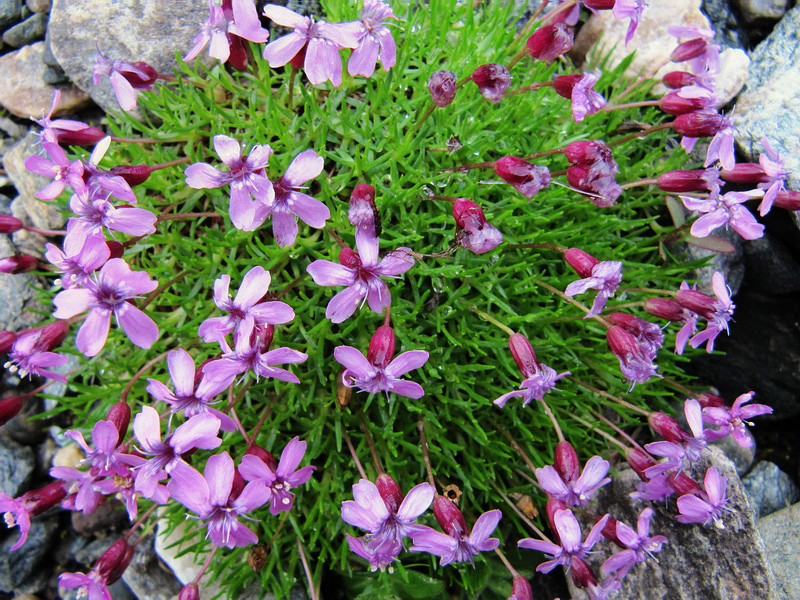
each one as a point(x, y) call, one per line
point(674, 104)
point(697, 302)
point(622, 342)
point(527, 178)
point(381, 347)
point(790, 200)
point(551, 507)
point(566, 462)
point(585, 153)
point(43, 499)
point(563, 85)
point(698, 124)
point(665, 308)
point(667, 427)
point(132, 174)
point(683, 484)
point(629, 323)
point(679, 79)
point(745, 173)
point(493, 81)
point(389, 491)
point(7, 339)
point(189, 592)
point(442, 86)
point(52, 335)
point(449, 517)
point(238, 484)
point(521, 589)
point(349, 258)
point(113, 562)
point(610, 531)
point(9, 224)
point(464, 209)
point(551, 41)
point(640, 461)
point(582, 574)
point(144, 77)
point(21, 263)
point(582, 262)
point(9, 408)
point(688, 50)
point(266, 456)
point(695, 180)
point(116, 249)
point(120, 416)
point(523, 354)
point(711, 401)
point(87, 136)
point(600, 4)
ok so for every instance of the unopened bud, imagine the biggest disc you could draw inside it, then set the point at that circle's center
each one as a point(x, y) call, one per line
point(464, 209)
point(679, 79)
point(640, 461)
point(132, 174)
point(600, 4)
point(21, 263)
point(349, 258)
point(683, 484)
point(667, 427)
point(52, 335)
point(563, 85)
point(449, 517)
point(7, 339)
point(119, 416)
point(86, 136)
point(610, 531)
point(698, 124)
point(554, 505)
point(9, 224)
point(113, 562)
point(622, 342)
point(551, 41)
point(9, 408)
point(521, 589)
point(139, 74)
point(442, 86)
point(745, 173)
point(265, 455)
point(189, 592)
point(381, 347)
point(585, 153)
point(566, 462)
point(389, 491)
point(582, 574)
point(43, 499)
point(665, 308)
point(689, 50)
point(523, 354)
point(581, 262)
point(493, 81)
point(710, 401)
point(787, 199)
point(675, 104)
point(238, 484)
point(697, 302)
point(526, 178)
point(695, 180)
point(116, 249)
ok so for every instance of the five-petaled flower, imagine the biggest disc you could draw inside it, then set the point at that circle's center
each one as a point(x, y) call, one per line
point(538, 378)
point(734, 420)
point(694, 509)
point(639, 545)
point(570, 550)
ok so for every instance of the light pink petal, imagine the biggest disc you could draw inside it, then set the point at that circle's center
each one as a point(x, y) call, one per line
point(395, 263)
point(345, 303)
point(281, 356)
point(253, 496)
point(306, 166)
point(160, 392)
point(569, 530)
point(284, 228)
point(255, 284)
point(140, 328)
point(619, 560)
point(190, 488)
point(745, 224)
point(275, 313)
point(407, 361)
point(93, 333)
point(105, 436)
point(52, 190)
point(353, 360)
point(287, 18)
point(693, 509)
point(595, 533)
point(346, 35)
point(40, 165)
point(378, 295)
point(592, 476)
point(715, 485)
point(182, 371)
point(694, 416)
point(133, 221)
point(709, 222)
point(291, 456)
point(364, 58)
point(409, 389)
point(551, 482)
point(284, 49)
point(300, 476)
point(72, 302)
point(219, 475)
point(540, 546)
point(501, 401)
point(327, 273)
point(124, 91)
point(147, 429)
point(202, 176)
point(200, 42)
point(228, 150)
point(242, 207)
point(323, 62)
point(253, 468)
point(198, 432)
point(388, 48)
point(416, 502)
point(220, 47)
point(484, 527)
point(310, 210)
point(246, 23)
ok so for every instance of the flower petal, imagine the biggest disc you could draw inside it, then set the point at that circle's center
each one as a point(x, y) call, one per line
point(182, 371)
point(407, 361)
point(355, 361)
point(140, 328)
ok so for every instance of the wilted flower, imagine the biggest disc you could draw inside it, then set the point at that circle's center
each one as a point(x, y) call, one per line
point(603, 276)
point(538, 378)
point(442, 86)
point(227, 25)
point(551, 41)
point(475, 232)
point(493, 81)
point(527, 179)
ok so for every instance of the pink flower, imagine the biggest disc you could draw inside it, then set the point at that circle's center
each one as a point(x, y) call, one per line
point(629, 9)
point(734, 420)
point(78, 261)
point(60, 170)
point(66, 131)
point(251, 191)
point(570, 550)
point(316, 44)
point(274, 485)
point(377, 42)
point(586, 101)
point(493, 81)
point(603, 276)
point(475, 233)
point(528, 179)
point(639, 545)
point(538, 378)
point(698, 510)
point(572, 491)
point(93, 213)
point(104, 458)
point(727, 210)
point(115, 285)
point(718, 312)
point(289, 202)
point(91, 586)
point(125, 77)
point(635, 362)
point(18, 511)
point(224, 30)
point(361, 272)
point(775, 169)
point(28, 357)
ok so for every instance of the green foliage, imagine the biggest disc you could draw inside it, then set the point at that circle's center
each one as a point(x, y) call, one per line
point(369, 131)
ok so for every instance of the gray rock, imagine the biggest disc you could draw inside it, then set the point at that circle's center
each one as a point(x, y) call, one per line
point(699, 562)
point(137, 30)
point(781, 534)
point(742, 457)
point(724, 22)
point(16, 466)
point(29, 569)
point(88, 553)
point(769, 489)
point(108, 516)
point(38, 6)
point(768, 104)
point(53, 76)
point(30, 30)
point(771, 265)
point(11, 128)
point(147, 578)
point(24, 430)
point(17, 295)
point(755, 12)
point(729, 264)
point(9, 12)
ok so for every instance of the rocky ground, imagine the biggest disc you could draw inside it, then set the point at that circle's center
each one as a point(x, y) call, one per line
point(46, 46)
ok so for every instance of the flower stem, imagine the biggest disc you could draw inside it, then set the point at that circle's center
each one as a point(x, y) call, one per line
point(648, 291)
point(530, 88)
point(611, 397)
point(544, 153)
point(512, 570)
point(608, 436)
point(146, 140)
point(232, 402)
point(426, 455)
point(520, 514)
point(259, 425)
point(610, 107)
point(481, 165)
point(633, 442)
point(491, 319)
point(550, 414)
point(147, 366)
point(543, 245)
point(44, 231)
point(631, 184)
point(563, 296)
point(371, 445)
point(172, 163)
point(206, 564)
point(197, 215)
point(293, 284)
point(312, 591)
point(680, 387)
point(139, 521)
point(239, 425)
point(515, 445)
point(357, 462)
point(171, 79)
point(641, 133)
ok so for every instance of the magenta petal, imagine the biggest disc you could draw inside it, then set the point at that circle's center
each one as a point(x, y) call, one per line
point(198, 432)
point(416, 502)
point(133, 221)
point(228, 150)
point(253, 468)
point(291, 456)
point(160, 392)
point(140, 328)
point(378, 295)
point(323, 62)
point(388, 48)
point(409, 389)
point(327, 273)
point(407, 361)
point(105, 437)
point(72, 302)
point(395, 263)
point(354, 361)
point(709, 222)
point(147, 429)
point(287, 18)
point(310, 210)
point(345, 303)
point(190, 488)
point(275, 313)
point(52, 190)
point(93, 333)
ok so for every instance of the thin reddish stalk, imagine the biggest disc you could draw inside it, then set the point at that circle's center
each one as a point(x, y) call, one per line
point(147, 366)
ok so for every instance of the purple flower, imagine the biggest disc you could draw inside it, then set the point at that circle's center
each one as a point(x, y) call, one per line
point(210, 498)
point(639, 545)
point(125, 77)
point(289, 202)
point(726, 210)
point(655, 489)
point(317, 44)
point(635, 360)
point(66, 131)
point(16, 514)
point(386, 522)
point(775, 168)
point(275, 486)
point(629, 9)
point(245, 306)
point(707, 60)
point(721, 146)
point(735, 419)
point(95, 213)
point(579, 491)
point(698, 510)
point(234, 18)
point(459, 545)
point(104, 458)
point(200, 431)
point(687, 449)
point(538, 378)
point(116, 283)
point(377, 42)
point(28, 358)
point(527, 179)
point(59, 169)
point(379, 374)
point(361, 272)
point(605, 277)
point(91, 586)
point(571, 549)
point(718, 317)
point(189, 396)
point(586, 101)
point(101, 183)
point(78, 261)
point(493, 81)
point(475, 233)
point(81, 487)
point(251, 191)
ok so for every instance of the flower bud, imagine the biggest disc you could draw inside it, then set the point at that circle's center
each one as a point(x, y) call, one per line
point(381, 347)
point(697, 302)
point(464, 209)
point(265, 455)
point(52, 335)
point(119, 416)
point(787, 199)
point(675, 104)
point(449, 517)
point(132, 174)
point(745, 173)
point(665, 308)
point(523, 354)
point(553, 505)
point(7, 339)
point(526, 178)
point(586, 153)
point(600, 4)
point(362, 205)
point(679, 79)
point(521, 589)
point(493, 81)
point(563, 85)
point(698, 124)
point(581, 262)
point(43, 499)
point(582, 574)
point(389, 491)
point(711, 401)
point(610, 531)
point(442, 86)
point(86, 136)
point(139, 74)
point(667, 427)
point(238, 484)
point(640, 461)
point(689, 50)
point(9, 408)
point(622, 342)
point(566, 462)
point(551, 41)
point(113, 562)
point(695, 180)
point(21, 263)
point(683, 484)
point(189, 592)
point(9, 224)
point(628, 322)
point(116, 249)
point(349, 258)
